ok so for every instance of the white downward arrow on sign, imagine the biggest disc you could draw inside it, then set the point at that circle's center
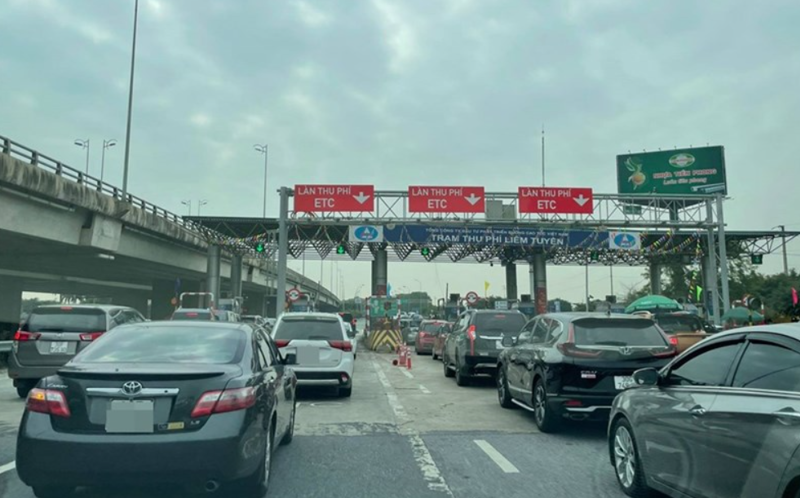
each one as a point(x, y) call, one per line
point(581, 200)
point(472, 199)
point(361, 198)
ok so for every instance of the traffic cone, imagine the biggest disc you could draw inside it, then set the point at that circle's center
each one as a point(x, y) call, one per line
point(408, 362)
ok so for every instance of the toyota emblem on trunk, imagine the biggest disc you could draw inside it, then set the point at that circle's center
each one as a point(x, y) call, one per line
point(132, 387)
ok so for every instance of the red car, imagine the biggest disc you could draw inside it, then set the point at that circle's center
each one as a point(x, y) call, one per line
point(441, 335)
point(426, 337)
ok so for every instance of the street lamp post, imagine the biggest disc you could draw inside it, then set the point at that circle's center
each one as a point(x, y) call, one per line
point(84, 144)
point(130, 105)
point(106, 145)
point(201, 203)
point(188, 204)
point(264, 149)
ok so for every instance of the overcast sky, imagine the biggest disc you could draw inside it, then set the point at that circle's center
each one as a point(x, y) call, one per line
point(396, 93)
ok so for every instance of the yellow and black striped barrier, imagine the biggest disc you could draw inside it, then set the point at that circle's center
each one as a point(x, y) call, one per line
point(385, 339)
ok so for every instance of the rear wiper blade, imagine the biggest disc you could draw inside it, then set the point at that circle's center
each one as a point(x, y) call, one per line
point(54, 329)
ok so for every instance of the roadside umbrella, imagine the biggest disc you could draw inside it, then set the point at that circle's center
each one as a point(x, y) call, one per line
point(742, 315)
point(654, 302)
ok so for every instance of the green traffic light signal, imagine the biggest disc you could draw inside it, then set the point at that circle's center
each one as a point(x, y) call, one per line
point(260, 247)
point(425, 251)
point(595, 256)
point(340, 249)
point(757, 259)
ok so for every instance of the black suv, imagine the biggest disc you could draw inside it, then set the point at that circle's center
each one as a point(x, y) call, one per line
point(476, 342)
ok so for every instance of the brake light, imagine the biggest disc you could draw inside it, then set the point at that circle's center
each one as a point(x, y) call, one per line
point(573, 402)
point(282, 343)
point(665, 354)
point(673, 340)
point(569, 349)
point(343, 345)
point(22, 336)
point(91, 336)
point(471, 336)
point(48, 401)
point(228, 400)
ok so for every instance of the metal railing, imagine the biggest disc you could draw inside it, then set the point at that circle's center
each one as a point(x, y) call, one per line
point(36, 158)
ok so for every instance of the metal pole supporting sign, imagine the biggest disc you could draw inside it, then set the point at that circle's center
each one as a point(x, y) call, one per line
point(283, 250)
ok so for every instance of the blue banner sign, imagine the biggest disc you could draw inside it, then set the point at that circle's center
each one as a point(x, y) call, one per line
point(495, 236)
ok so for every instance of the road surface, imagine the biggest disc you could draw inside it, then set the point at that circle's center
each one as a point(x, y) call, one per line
point(401, 434)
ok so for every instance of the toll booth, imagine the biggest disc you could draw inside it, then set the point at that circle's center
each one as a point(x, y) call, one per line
point(383, 323)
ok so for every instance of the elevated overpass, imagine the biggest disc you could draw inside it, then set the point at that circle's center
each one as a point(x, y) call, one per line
point(63, 231)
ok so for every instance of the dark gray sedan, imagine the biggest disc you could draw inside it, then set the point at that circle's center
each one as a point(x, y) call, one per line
point(721, 420)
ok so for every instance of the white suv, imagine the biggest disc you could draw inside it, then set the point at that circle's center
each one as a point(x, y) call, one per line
point(324, 353)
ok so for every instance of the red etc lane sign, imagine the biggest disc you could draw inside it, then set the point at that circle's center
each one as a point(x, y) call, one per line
point(555, 200)
point(446, 200)
point(334, 198)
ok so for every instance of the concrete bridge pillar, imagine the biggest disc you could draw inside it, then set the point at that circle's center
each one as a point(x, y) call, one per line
point(236, 275)
point(380, 272)
point(511, 280)
point(655, 277)
point(213, 281)
point(10, 305)
point(539, 266)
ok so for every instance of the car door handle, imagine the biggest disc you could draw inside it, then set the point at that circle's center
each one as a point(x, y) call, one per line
point(787, 416)
point(697, 411)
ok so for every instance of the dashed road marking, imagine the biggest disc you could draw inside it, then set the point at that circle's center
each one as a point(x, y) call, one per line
point(497, 457)
point(430, 472)
point(424, 389)
point(8, 467)
point(407, 373)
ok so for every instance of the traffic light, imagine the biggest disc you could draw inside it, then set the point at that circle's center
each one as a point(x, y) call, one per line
point(757, 259)
point(341, 249)
point(260, 247)
point(425, 251)
point(594, 256)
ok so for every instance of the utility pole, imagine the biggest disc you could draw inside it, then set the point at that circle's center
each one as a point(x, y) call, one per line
point(130, 108)
point(785, 259)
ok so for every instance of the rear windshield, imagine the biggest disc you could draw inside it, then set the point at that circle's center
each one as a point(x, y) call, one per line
point(66, 319)
point(611, 332)
point(488, 323)
point(673, 324)
point(191, 315)
point(167, 344)
point(309, 329)
point(430, 328)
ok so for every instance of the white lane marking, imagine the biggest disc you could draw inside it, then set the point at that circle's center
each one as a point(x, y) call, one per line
point(7, 467)
point(424, 389)
point(407, 373)
point(430, 472)
point(497, 457)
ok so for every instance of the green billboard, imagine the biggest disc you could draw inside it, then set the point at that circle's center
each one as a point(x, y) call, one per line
point(697, 171)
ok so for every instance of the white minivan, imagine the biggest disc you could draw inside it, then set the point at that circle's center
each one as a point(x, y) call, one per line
point(324, 352)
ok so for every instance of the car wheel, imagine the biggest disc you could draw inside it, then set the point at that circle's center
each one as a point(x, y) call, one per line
point(627, 466)
point(503, 394)
point(461, 379)
point(434, 356)
point(345, 392)
point(447, 372)
point(53, 491)
point(287, 438)
point(545, 418)
point(258, 482)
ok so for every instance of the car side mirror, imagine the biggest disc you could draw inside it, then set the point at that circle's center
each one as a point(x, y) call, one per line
point(290, 359)
point(646, 377)
point(509, 340)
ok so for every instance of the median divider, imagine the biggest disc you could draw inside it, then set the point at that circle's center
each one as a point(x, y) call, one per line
point(385, 340)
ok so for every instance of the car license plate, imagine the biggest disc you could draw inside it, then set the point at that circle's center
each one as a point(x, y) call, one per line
point(130, 417)
point(59, 347)
point(623, 382)
point(307, 356)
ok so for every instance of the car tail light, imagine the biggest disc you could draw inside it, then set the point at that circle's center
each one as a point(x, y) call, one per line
point(48, 401)
point(573, 402)
point(471, 336)
point(228, 400)
point(343, 345)
point(22, 336)
point(91, 336)
point(673, 340)
point(282, 343)
point(666, 353)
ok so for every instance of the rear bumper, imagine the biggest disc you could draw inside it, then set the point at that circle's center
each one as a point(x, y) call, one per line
point(333, 378)
point(424, 347)
point(222, 450)
point(480, 363)
point(590, 407)
point(16, 370)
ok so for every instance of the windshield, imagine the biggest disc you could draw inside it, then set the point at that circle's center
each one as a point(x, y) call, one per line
point(316, 329)
point(617, 332)
point(430, 327)
point(66, 319)
point(165, 344)
point(507, 323)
